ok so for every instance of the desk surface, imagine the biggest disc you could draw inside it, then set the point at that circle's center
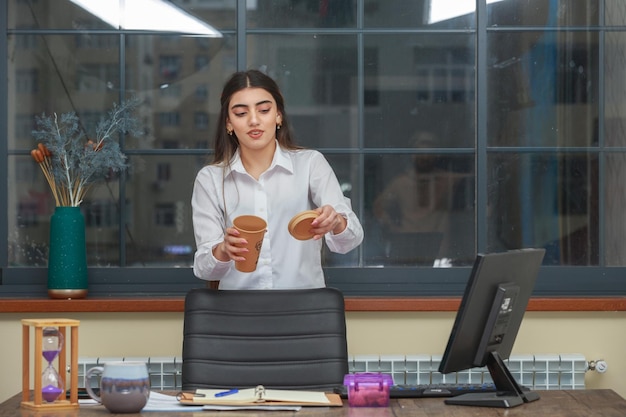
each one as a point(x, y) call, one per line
point(579, 403)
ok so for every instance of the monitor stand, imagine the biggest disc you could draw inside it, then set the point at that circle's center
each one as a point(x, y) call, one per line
point(508, 392)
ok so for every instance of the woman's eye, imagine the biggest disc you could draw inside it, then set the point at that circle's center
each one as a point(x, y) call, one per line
point(240, 114)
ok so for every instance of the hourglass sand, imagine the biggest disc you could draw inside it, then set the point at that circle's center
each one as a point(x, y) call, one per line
point(51, 383)
point(49, 388)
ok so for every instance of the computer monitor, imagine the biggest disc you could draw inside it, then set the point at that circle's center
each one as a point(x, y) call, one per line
point(487, 322)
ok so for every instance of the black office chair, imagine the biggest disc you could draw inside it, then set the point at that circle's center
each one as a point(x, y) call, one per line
point(283, 339)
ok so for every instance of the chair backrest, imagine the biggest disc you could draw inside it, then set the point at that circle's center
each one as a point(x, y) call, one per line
point(287, 339)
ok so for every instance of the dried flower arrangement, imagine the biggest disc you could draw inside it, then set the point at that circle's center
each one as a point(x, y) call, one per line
point(72, 163)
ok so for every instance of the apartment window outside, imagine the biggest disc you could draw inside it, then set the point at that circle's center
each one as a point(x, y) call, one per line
point(169, 66)
point(27, 82)
point(27, 214)
point(169, 119)
point(452, 131)
point(201, 120)
point(171, 90)
point(163, 171)
point(85, 41)
point(170, 144)
point(201, 62)
point(201, 93)
point(90, 120)
point(164, 214)
point(100, 214)
point(26, 42)
point(98, 77)
point(24, 125)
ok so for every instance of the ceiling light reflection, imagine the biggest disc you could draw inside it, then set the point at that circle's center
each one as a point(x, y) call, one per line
point(441, 10)
point(155, 15)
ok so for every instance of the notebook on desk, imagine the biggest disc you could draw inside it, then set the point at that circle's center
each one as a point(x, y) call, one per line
point(260, 396)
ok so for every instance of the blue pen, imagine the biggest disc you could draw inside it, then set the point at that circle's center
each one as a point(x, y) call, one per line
point(225, 393)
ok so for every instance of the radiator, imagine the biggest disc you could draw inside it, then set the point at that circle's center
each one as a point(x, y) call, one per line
point(539, 372)
point(536, 371)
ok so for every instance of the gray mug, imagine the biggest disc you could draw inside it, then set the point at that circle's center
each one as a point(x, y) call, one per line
point(124, 386)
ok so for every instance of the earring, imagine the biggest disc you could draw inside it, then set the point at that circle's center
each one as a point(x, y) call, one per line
point(278, 126)
point(229, 131)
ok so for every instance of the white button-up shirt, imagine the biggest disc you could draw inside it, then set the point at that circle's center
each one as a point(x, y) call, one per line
point(295, 181)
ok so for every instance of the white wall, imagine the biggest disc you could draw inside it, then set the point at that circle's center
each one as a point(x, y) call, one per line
point(597, 335)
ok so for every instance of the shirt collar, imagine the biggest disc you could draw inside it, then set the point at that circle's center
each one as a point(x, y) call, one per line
point(281, 159)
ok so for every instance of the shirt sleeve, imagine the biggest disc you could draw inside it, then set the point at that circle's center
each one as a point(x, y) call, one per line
point(208, 225)
point(325, 189)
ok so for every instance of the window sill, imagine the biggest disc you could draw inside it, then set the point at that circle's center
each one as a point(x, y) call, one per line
point(176, 304)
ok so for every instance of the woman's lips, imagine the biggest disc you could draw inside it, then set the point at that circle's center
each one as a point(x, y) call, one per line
point(255, 134)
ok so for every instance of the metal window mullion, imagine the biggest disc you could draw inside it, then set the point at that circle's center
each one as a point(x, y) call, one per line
point(241, 35)
point(4, 142)
point(481, 126)
point(122, 215)
point(360, 16)
point(601, 141)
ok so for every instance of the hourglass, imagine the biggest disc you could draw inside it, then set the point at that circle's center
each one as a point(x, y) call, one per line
point(51, 383)
point(49, 387)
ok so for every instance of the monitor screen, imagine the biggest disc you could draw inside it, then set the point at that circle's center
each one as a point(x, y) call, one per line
point(487, 322)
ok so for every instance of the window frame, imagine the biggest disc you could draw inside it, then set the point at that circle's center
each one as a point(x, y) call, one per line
point(554, 281)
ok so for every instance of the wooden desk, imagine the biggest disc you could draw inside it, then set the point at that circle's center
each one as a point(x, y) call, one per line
point(579, 403)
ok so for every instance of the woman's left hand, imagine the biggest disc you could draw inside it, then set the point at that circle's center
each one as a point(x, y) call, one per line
point(328, 220)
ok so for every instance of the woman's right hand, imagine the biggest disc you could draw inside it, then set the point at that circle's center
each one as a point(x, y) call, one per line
point(232, 248)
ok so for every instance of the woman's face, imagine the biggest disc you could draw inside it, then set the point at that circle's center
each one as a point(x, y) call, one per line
point(253, 116)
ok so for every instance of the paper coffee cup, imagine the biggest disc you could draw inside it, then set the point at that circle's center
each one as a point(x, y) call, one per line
point(251, 228)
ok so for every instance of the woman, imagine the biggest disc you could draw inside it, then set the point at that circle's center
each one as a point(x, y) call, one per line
point(258, 169)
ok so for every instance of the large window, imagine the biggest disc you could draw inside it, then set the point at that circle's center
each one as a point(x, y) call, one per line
point(455, 127)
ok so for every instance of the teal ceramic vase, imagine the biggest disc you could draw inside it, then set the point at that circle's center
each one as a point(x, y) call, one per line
point(67, 259)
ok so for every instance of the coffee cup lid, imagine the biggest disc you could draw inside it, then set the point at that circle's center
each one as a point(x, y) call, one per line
point(300, 224)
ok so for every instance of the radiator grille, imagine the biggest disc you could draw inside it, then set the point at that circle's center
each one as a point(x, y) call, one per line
point(538, 371)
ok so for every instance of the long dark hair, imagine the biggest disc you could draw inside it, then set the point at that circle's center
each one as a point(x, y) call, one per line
point(225, 144)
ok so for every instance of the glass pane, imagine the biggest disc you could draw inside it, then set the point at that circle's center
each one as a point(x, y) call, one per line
point(180, 90)
point(301, 14)
point(435, 14)
point(346, 170)
point(544, 200)
point(56, 75)
point(317, 76)
point(157, 207)
point(220, 14)
point(203, 18)
point(543, 89)
point(31, 205)
point(615, 89)
point(180, 79)
point(54, 14)
point(614, 12)
point(419, 82)
point(158, 194)
point(542, 13)
point(615, 229)
point(419, 209)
